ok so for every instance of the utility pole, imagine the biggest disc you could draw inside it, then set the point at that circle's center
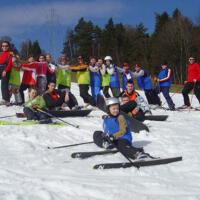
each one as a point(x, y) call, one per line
point(52, 31)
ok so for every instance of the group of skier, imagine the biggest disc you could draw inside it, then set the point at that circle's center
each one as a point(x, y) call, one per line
point(43, 76)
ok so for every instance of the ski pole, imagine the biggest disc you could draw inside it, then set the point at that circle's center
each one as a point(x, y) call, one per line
point(50, 115)
point(7, 116)
point(70, 145)
point(109, 140)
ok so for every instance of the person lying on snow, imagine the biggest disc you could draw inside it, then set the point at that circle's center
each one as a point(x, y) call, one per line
point(34, 105)
point(59, 99)
point(117, 132)
point(133, 103)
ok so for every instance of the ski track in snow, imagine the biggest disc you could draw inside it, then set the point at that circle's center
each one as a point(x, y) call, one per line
point(30, 171)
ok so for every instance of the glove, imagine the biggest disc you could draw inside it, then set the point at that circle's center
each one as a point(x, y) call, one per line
point(35, 107)
point(112, 138)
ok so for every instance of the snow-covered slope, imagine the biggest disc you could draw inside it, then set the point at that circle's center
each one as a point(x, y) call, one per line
point(30, 171)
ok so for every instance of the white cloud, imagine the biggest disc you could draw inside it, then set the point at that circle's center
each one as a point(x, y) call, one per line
point(15, 20)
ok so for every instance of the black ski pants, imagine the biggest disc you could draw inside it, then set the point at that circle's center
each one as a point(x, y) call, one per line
point(87, 98)
point(188, 88)
point(122, 145)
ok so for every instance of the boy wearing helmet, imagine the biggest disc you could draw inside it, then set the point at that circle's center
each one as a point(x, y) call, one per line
point(114, 78)
point(117, 130)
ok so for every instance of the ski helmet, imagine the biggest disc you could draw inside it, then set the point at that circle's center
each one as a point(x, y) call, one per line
point(108, 58)
point(112, 101)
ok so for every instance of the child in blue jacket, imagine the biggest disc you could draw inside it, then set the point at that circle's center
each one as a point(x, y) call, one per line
point(116, 128)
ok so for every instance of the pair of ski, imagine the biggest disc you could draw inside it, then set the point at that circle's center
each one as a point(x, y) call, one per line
point(61, 113)
point(137, 163)
point(188, 109)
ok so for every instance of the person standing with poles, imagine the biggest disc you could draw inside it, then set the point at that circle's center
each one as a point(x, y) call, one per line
point(5, 68)
point(192, 83)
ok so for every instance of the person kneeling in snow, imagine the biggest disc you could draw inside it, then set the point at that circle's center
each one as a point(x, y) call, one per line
point(59, 99)
point(33, 108)
point(117, 132)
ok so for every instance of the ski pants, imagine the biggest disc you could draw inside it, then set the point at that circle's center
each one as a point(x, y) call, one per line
point(34, 115)
point(129, 107)
point(41, 85)
point(106, 91)
point(95, 91)
point(72, 101)
point(22, 88)
point(115, 92)
point(5, 88)
point(63, 88)
point(122, 145)
point(87, 98)
point(188, 88)
point(14, 89)
point(165, 92)
point(152, 97)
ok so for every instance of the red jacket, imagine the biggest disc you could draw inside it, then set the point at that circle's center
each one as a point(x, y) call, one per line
point(193, 72)
point(28, 78)
point(6, 58)
point(40, 67)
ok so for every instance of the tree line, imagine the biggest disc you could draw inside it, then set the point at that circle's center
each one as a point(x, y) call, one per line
point(174, 39)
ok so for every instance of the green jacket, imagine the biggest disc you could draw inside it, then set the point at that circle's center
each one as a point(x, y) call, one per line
point(82, 74)
point(63, 77)
point(38, 101)
point(105, 80)
point(14, 77)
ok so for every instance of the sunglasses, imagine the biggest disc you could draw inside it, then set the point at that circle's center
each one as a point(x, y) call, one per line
point(4, 45)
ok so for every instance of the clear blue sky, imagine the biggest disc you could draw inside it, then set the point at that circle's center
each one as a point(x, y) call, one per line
point(29, 19)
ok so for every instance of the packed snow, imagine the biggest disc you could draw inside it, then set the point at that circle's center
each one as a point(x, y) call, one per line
point(30, 171)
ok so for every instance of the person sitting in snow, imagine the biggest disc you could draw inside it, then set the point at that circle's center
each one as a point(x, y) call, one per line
point(116, 132)
point(34, 105)
point(57, 99)
point(133, 103)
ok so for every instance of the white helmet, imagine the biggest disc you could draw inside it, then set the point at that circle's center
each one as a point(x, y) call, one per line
point(112, 101)
point(108, 58)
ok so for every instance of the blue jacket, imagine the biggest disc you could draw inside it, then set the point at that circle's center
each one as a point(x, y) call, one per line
point(111, 126)
point(125, 78)
point(95, 79)
point(165, 78)
point(144, 82)
point(114, 78)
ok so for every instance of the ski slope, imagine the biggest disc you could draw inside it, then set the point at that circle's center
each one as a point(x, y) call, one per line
point(30, 171)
